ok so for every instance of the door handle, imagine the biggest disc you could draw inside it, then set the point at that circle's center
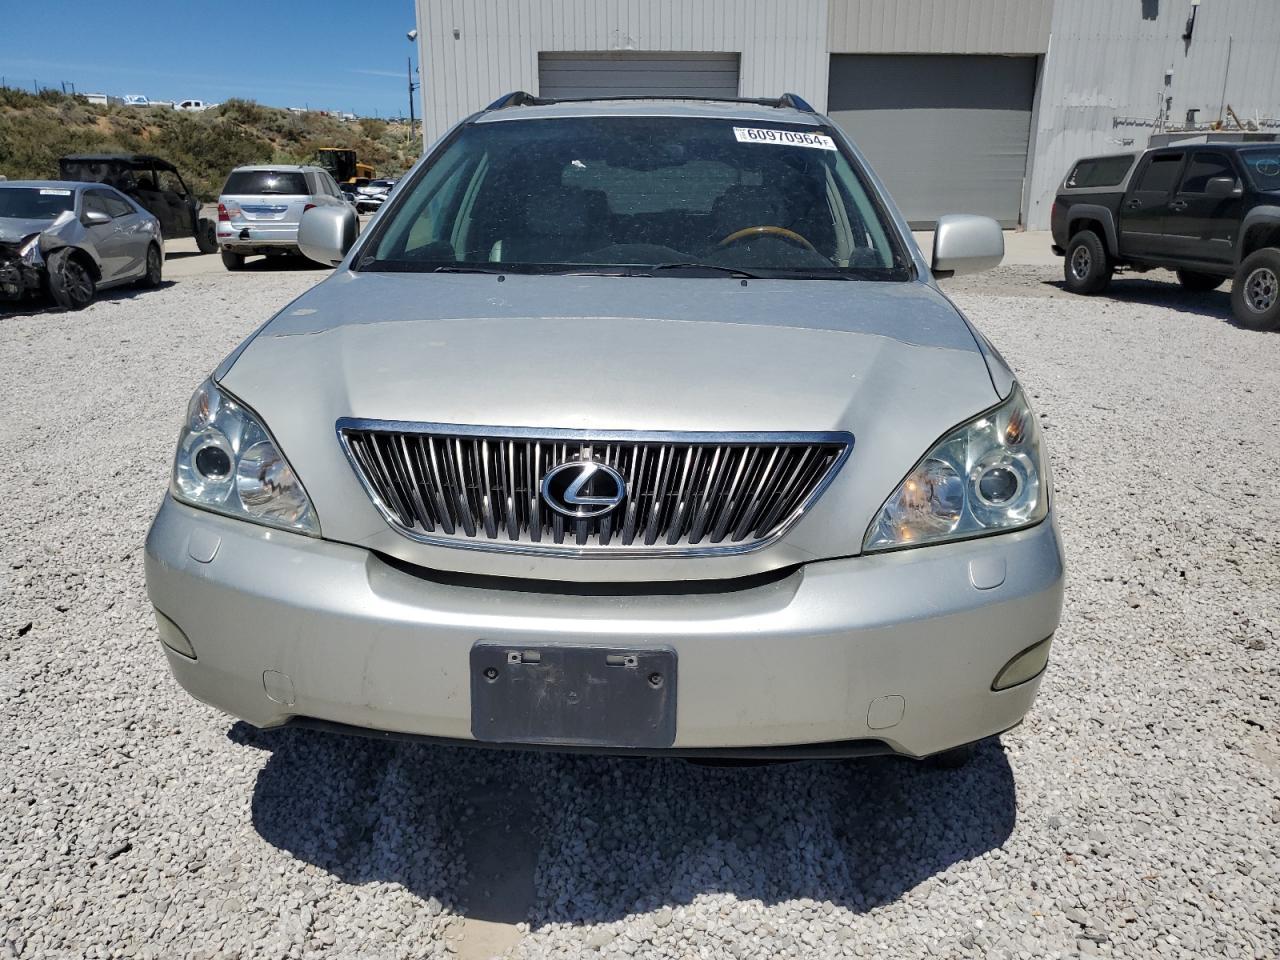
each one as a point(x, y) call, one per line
point(1134, 204)
point(1177, 206)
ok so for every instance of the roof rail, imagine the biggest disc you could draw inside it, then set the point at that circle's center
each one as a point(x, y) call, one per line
point(522, 98)
point(517, 98)
point(795, 101)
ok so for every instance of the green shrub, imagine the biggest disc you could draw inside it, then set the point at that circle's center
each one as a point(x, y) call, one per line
point(37, 129)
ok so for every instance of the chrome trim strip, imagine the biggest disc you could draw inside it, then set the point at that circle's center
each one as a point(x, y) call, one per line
point(790, 438)
point(534, 547)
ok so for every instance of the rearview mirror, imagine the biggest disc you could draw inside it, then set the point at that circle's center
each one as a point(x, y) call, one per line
point(325, 234)
point(1221, 187)
point(963, 243)
point(94, 218)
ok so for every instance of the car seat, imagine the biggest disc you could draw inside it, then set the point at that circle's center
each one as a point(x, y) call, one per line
point(559, 224)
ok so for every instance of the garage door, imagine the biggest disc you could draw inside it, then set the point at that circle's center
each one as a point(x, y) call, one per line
point(947, 134)
point(568, 75)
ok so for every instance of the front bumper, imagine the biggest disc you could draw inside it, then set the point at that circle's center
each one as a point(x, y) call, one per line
point(896, 651)
point(18, 277)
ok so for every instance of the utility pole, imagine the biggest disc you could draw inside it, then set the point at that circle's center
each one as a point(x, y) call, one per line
point(412, 35)
point(409, 68)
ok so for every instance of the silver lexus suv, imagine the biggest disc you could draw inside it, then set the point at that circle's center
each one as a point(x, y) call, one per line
point(629, 426)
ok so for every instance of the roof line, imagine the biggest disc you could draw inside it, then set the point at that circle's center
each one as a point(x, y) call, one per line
point(522, 98)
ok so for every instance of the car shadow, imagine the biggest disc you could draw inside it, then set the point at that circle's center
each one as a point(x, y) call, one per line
point(1169, 295)
point(277, 264)
point(38, 305)
point(184, 254)
point(554, 838)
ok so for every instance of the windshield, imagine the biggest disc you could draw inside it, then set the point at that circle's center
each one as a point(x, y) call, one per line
point(35, 203)
point(1263, 167)
point(637, 194)
point(263, 182)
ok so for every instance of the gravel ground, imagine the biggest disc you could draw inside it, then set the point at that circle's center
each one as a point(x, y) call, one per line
point(1135, 814)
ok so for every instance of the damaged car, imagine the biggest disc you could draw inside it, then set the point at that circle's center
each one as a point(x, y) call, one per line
point(71, 240)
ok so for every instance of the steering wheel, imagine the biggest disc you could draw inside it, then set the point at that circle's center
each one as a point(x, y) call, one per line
point(781, 232)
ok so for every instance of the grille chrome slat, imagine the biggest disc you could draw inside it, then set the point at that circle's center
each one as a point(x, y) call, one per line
point(686, 494)
point(440, 503)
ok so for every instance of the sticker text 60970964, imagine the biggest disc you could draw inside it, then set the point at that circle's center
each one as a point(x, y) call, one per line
point(784, 138)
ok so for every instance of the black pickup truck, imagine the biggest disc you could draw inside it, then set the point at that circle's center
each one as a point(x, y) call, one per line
point(1210, 211)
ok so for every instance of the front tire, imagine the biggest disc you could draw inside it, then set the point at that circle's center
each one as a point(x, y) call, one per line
point(207, 236)
point(1087, 268)
point(1255, 292)
point(71, 281)
point(155, 269)
point(232, 261)
point(1199, 282)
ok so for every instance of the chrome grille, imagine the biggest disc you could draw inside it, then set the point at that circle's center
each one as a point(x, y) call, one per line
point(686, 493)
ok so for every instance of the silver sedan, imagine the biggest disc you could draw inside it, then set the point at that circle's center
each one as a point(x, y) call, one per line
point(74, 239)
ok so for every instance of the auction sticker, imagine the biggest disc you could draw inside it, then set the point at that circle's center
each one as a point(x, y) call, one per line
point(47, 192)
point(784, 138)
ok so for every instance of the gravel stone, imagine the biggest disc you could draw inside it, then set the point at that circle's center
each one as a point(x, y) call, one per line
point(1134, 814)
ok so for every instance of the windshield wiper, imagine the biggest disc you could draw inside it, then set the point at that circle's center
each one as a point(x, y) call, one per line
point(468, 268)
point(692, 265)
point(770, 274)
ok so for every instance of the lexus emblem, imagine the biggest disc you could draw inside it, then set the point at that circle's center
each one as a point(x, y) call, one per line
point(582, 489)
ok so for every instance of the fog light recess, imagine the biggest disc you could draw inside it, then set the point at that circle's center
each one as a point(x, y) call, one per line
point(1025, 666)
point(171, 636)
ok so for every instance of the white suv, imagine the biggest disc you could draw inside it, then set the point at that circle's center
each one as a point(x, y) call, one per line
point(260, 208)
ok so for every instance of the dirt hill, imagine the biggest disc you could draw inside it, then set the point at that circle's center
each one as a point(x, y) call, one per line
point(36, 129)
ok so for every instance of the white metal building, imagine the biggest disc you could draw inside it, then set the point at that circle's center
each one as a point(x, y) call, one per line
point(961, 105)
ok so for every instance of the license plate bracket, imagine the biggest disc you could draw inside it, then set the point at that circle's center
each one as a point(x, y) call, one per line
point(575, 695)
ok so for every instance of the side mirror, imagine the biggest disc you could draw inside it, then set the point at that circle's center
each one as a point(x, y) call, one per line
point(94, 218)
point(325, 234)
point(1222, 187)
point(963, 243)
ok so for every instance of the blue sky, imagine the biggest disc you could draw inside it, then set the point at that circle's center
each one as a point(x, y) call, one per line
point(325, 54)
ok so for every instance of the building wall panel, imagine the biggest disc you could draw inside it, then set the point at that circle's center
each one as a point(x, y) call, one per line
point(1103, 83)
point(945, 132)
point(783, 46)
point(940, 26)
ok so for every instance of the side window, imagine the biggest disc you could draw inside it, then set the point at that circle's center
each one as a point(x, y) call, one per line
point(95, 201)
point(1161, 173)
point(1099, 172)
point(1203, 168)
point(428, 235)
point(116, 206)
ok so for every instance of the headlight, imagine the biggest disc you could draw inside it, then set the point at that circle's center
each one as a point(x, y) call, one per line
point(986, 476)
point(228, 463)
point(30, 249)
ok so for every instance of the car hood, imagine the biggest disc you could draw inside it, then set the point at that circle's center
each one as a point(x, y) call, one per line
point(13, 229)
point(892, 363)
